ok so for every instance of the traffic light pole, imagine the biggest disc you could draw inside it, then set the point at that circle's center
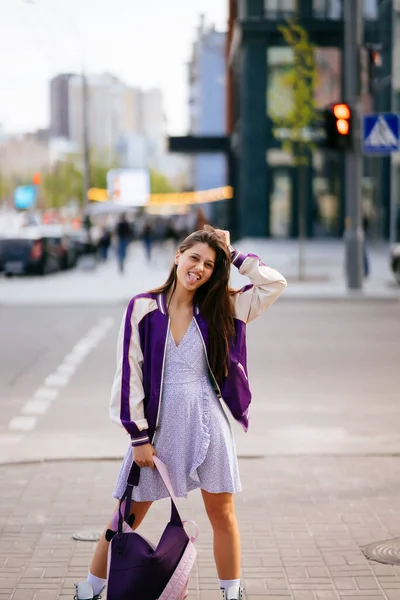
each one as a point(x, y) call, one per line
point(354, 237)
point(85, 138)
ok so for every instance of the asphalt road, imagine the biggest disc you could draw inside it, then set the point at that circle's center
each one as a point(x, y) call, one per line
point(324, 377)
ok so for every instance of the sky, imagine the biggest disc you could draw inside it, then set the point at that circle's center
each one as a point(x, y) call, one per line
point(146, 43)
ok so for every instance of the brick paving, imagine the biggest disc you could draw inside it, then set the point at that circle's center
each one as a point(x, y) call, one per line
point(303, 522)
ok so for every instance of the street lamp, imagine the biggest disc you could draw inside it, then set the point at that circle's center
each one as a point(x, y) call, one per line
point(85, 124)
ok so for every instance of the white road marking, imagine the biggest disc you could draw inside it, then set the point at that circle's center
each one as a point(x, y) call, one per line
point(56, 380)
point(46, 394)
point(81, 351)
point(65, 369)
point(43, 397)
point(22, 423)
point(36, 407)
point(73, 359)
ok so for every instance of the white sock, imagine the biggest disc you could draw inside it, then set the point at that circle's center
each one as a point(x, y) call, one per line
point(98, 584)
point(227, 584)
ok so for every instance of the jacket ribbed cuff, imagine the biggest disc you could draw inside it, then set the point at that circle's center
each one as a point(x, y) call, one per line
point(237, 257)
point(140, 441)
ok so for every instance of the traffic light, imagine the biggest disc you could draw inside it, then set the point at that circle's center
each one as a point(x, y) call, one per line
point(375, 61)
point(36, 179)
point(338, 127)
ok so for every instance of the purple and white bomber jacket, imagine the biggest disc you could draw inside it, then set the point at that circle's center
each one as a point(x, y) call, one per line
point(137, 387)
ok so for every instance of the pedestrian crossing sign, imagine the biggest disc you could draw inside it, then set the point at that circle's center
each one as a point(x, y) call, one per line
point(381, 133)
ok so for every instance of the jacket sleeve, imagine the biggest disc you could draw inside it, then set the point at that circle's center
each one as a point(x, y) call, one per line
point(127, 394)
point(266, 286)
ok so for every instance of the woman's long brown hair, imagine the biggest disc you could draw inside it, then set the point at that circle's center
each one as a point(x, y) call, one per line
point(213, 298)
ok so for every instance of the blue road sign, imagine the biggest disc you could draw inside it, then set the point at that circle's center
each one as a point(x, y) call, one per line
point(381, 133)
point(25, 196)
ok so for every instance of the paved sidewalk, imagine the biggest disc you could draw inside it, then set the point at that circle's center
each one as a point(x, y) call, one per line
point(319, 465)
point(303, 521)
point(325, 276)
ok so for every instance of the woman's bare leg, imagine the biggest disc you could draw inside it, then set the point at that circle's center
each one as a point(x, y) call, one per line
point(98, 568)
point(220, 509)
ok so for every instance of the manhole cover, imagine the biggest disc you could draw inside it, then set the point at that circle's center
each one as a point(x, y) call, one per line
point(386, 552)
point(85, 536)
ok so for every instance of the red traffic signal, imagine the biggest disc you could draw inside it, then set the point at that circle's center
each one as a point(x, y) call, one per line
point(342, 114)
point(36, 179)
point(338, 127)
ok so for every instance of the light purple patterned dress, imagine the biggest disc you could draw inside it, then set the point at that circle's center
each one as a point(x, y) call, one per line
point(194, 439)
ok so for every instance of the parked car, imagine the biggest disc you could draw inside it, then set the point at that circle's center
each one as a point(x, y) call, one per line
point(1, 254)
point(395, 261)
point(83, 243)
point(37, 250)
point(62, 240)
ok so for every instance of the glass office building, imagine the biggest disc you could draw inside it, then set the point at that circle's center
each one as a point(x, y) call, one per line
point(265, 178)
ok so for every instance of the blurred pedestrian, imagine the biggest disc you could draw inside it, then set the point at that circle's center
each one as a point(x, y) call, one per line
point(171, 232)
point(123, 234)
point(181, 348)
point(366, 227)
point(147, 238)
point(104, 243)
point(201, 220)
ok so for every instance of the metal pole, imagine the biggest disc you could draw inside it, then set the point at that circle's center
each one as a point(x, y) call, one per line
point(394, 184)
point(85, 139)
point(354, 237)
point(302, 209)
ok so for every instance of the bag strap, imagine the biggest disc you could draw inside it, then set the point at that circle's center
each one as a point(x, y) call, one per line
point(124, 508)
point(162, 469)
point(134, 476)
point(193, 538)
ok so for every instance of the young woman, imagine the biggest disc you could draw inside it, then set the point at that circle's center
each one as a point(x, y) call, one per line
point(181, 350)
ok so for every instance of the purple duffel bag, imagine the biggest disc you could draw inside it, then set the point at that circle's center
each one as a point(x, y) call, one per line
point(138, 570)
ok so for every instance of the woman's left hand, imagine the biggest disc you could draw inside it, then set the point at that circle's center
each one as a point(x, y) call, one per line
point(225, 235)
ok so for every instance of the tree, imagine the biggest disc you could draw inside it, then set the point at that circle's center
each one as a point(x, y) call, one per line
point(99, 167)
point(62, 184)
point(294, 127)
point(65, 181)
point(5, 187)
point(159, 183)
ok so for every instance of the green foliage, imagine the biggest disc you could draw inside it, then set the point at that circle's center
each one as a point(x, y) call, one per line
point(99, 167)
point(5, 187)
point(300, 79)
point(159, 183)
point(63, 183)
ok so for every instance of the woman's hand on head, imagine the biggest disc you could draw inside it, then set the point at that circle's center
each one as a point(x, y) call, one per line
point(143, 455)
point(224, 235)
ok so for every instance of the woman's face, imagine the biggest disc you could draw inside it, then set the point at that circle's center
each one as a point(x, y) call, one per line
point(195, 266)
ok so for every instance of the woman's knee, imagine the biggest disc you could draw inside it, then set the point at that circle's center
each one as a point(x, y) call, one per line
point(220, 510)
point(137, 513)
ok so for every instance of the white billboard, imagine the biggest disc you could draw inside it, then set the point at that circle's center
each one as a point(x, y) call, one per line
point(129, 187)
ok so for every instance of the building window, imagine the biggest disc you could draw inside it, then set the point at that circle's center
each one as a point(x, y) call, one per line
point(370, 9)
point(333, 9)
point(327, 9)
point(280, 62)
point(280, 9)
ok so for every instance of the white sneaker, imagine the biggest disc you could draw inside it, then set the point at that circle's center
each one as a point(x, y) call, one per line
point(84, 591)
point(234, 593)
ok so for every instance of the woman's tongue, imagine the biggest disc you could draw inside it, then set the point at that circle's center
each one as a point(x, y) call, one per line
point(192, 278)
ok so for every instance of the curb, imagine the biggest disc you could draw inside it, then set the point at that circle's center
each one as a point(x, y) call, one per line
point(269, 456)
point(286, 297)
